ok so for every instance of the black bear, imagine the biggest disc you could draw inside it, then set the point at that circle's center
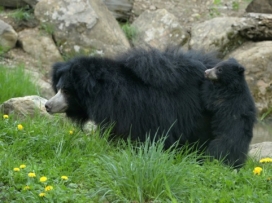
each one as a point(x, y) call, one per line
point(144, 91)
point(227, 97)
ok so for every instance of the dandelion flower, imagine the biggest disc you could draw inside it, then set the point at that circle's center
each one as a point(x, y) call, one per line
point(5, 116)
point(16, 169)
point(71, 132)
point(42, 194)
point(266, 160)
point(64, 177)
point(26, 187)
point(48, 188)
point(257, 170)
point(22, 166)
point(31, 175)
point(43, 179)
point(20, 127)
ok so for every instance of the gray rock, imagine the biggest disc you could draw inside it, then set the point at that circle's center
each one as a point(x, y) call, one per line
point(216, 35)
point(159, 29)
point(260, 6)
point(8, 37)
point(260, 150)
point(257, 58)
point(24, 106)
point(40, 46)
point(256, 27)
point(32, 3)
point(83, 26)
point(13, 3)
point(121, 9)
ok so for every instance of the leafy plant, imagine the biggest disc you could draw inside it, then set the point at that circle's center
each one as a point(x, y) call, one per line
point(129, 31)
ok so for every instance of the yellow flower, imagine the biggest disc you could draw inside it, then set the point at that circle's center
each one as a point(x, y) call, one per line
point(5, 116)
point(31, 175)
point(48, 188)
point(22, 166)
point(43, 179)
point(42, 194)
point(16, 169)
point(266, 160)
point(26, 187)
point(257, 170)
point(20, 127)
point(64, 177)
point(71, 132)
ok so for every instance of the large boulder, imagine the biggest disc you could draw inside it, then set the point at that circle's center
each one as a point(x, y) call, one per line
point(8, 37)
point(260, 150)
point(257, 58)
point(40, 46)
point(217, 35)
point(255, 27)
point(24, 106)
point(82, 26)
point(13, 3)
point(158, 29)
point(121, 9)
point(260, 6)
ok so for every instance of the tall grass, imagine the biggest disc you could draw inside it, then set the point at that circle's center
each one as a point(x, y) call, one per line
point(99, 170)
point(14, 82)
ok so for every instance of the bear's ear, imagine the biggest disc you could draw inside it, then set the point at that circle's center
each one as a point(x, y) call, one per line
point(241, 69)
point(82, 79)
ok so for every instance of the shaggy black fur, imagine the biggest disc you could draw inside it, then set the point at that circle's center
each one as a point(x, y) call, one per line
point(228, 99)
point(144, 92)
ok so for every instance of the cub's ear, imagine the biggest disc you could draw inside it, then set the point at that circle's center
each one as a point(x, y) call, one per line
point(235, 63)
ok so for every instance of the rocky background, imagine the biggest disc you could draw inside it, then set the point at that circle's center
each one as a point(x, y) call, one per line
point(39, 33)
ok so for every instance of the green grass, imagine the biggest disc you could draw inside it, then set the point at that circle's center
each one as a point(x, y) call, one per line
point(103, 171)
point(22, 14)
point(129, 31)
point(15, 83)
point(48, 28)
point(100, 170)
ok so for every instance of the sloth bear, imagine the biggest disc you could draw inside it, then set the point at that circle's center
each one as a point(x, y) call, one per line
point(227, 97)
point(143, 92)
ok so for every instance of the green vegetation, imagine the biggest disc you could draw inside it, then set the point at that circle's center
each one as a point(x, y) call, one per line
point(235, 6)
point(22, 14)
point(96, 170)
point(51, 160)
point(15, 83)
point(129, 31)
point(48, 28)
point(266, 114)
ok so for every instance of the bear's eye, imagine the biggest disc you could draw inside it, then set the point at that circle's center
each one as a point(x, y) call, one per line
point(219, 70)
point(65, 91)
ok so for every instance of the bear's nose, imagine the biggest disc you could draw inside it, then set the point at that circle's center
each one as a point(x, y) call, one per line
point(47, 107)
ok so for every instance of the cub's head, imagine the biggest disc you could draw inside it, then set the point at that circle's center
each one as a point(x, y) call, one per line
point(226, 72)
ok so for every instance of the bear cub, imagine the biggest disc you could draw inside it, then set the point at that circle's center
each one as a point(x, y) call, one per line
point(227, 98)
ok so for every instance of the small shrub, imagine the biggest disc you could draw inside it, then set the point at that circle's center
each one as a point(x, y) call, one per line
point(129, 31)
